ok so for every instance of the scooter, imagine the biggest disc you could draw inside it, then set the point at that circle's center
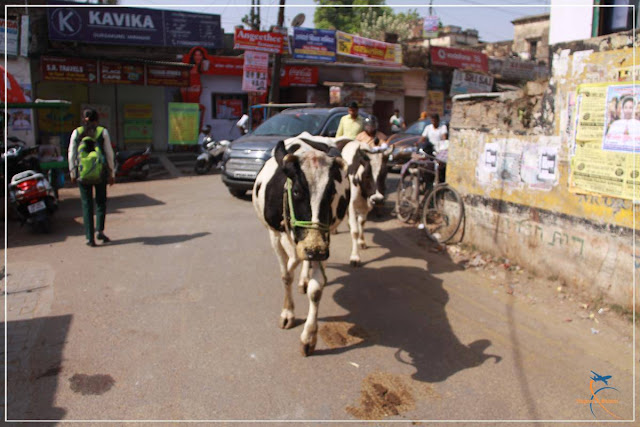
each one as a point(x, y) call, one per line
point(134, 164)
point(33, 199)
point(211, 155)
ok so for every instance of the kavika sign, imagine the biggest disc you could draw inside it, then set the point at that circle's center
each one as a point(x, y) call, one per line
point(133, 26)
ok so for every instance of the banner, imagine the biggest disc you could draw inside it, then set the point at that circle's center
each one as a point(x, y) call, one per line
point(350, 45)
point(69, 69)
point(254, 76)
point(138, 124)
point(466, 82)
point(435, 102)
point(11, 43)
point(258, 41)
point(225, 66)
point(165, 75)
point(117, 73)
point(184, 119)
point(318, 45)
point(431, 26)
point(133, 26)
point(298, 76)
point(459, 58)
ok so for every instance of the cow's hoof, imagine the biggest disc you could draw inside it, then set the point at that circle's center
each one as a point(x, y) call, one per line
point(307, 349)
point(363, 245)
point(286, 322)
point(355, 263)
point(303, 288)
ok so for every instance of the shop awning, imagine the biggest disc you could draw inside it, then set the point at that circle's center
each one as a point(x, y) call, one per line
point(358, 84)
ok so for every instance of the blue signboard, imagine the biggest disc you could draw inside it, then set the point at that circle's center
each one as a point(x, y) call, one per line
point(134, 26)
point(319, 45)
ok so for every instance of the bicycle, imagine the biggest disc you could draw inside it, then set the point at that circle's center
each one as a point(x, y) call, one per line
point(421, 196)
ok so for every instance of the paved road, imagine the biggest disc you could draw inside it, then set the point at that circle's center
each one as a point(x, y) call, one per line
point(177, 319)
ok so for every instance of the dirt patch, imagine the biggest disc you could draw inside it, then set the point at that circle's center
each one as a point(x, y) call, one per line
point(91, 384)
point(383, 395)
point(342, 334)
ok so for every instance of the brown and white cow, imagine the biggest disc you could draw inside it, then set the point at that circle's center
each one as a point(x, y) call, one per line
point(300, 194)
point(367, 177)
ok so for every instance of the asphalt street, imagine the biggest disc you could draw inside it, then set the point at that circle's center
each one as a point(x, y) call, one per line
point(176, 319)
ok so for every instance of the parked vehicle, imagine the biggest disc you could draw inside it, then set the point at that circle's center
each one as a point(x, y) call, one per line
point(134, 164)
point(246, 155)
point(33, 199)
point(19, 158)
point(211, 155)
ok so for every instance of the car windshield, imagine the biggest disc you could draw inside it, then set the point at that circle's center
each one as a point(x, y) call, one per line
point(291, 125)
point(417, 127)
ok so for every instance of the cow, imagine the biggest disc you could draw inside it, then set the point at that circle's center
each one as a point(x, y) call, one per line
point(367, 172)
point(300, 195)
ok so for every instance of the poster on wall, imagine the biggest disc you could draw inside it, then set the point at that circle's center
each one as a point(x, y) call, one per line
point(184, 119)
point(254, 75)
point(592, 112)
point(435, 102)
point(11, 43)
point(622, 127)
point(138, 123)
point(20, 119)
point(228, 107)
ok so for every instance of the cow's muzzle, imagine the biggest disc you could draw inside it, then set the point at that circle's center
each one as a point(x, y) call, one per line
point(314, 246)
point(377, 199)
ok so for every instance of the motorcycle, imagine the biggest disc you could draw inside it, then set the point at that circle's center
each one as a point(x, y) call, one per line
point(134, 164)
point(211, 155)
point(33, 199)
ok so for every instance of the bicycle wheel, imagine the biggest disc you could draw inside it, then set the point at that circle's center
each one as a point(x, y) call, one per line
point(406, 202)
point(442, 214)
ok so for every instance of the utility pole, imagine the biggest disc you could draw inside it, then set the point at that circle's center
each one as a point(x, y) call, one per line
point(274, 93)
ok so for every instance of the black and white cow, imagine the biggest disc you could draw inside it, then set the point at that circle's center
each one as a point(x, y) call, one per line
point(299, 220)
point(367, 177)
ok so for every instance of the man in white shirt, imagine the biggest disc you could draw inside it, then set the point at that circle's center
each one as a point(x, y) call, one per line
point(397, 122)
point(434, 136)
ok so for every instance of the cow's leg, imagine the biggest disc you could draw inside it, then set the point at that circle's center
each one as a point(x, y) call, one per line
point(361, 220)
point(353, 227)
point(287, 265)
point(303, 283)
point(317, 282)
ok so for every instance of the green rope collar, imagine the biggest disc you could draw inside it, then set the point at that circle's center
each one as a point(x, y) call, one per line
point(292, 216)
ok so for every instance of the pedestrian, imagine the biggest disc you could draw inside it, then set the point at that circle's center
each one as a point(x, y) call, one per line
point(423, 115)
point(91, 164)
point(397, 122)
point(435, 142)
point(204, 138)
point(351, 124)
point(370, 135)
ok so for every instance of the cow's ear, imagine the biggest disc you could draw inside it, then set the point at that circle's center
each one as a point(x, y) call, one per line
point(279, 152)
point(363, 156)
point(342, 164)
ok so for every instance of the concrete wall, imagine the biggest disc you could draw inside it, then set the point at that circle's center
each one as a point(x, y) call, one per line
point(534, 219)
point(570, 21)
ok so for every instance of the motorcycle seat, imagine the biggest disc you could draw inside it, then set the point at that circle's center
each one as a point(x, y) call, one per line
point(122, 156)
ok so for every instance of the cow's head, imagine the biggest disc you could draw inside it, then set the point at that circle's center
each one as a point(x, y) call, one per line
point(314, 177)
point(371, 172)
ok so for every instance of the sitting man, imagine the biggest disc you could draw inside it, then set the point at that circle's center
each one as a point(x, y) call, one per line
point(370, 135)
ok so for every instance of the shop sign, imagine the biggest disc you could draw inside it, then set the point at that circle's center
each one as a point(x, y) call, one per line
point(11, 44)
point(466, 82)
point(117, 73)
point(133, 26)
point(365, 97)
point(387, 81)
point(435, 102)
point(350, 45)
point(459, 58)
point(184, 119)
point(138, 123)
point(299, 75)
point(69, 69)
point(254, 76)
point(258, 41)
point(225, 66)
point(318, 45)
point(164, 75)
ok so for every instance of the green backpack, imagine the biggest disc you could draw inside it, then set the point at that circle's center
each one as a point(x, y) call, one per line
point(91, 160)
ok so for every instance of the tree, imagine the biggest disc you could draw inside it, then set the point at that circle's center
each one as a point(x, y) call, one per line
point(375, 26)
point(343, 18)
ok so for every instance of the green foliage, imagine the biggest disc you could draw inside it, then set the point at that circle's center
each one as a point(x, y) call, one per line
point(342, 18)
point(374, 26)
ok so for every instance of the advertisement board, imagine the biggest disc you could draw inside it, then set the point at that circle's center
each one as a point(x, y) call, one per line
point(117, 73)
point(75, 70)
point(254, 76)
point(258, 41)
point(184, 119)
point(466, 82)
point(164, 75)
point(318, 45)
point(350, 45)
point(138, 124)
point(459, 58)
point(11, 44)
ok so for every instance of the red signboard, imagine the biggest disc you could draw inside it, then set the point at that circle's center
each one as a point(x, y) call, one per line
point(164, 75)
point(459, 58)
point(259, 41)
point(225, 65)
point(117, 73)
point(69, 69)
point(297, 75)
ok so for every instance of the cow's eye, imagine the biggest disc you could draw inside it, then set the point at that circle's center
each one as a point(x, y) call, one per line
point(296, 194)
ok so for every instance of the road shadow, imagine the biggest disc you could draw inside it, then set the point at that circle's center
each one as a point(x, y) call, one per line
point(157, 240)
point(403, 307)
point(35, 367)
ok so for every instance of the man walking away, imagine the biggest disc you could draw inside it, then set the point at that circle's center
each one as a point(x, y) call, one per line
point(397, 122)
point(351, 124)
point(91, 164)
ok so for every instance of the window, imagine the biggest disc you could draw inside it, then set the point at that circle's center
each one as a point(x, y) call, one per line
point(609, 20)
point(533, 47)
point(332, 125)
